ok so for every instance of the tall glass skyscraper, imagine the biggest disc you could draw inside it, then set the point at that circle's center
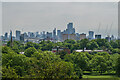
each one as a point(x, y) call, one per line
point(18, 33)
point(91, 34)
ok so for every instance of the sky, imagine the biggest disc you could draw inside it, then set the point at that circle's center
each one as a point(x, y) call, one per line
point(100, 17)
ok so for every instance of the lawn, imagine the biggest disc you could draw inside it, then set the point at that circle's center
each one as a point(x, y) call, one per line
point(101, 77)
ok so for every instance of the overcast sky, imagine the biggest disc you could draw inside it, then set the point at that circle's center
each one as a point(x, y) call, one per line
point(45, 16)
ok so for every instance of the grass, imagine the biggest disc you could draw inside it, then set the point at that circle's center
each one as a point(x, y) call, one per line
point(101, 77)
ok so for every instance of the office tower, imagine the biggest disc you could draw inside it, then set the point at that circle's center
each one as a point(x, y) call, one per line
point(29, 33)
point(37, 34)
point(49, 34)
point(18, 33)
point(59, 36)
point(108, 38)
point(68, 36)
point(91, 34)
point(22, 37)
point(77, 36)
point(25, 35)
point(54, 34)
point(70, 29)
point(43, 35)
point(6, 36)
point(10, 35)
point(82, 36)
point(98, 36)
point(32, 35)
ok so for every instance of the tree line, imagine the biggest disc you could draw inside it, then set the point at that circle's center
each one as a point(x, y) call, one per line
point(39, 62)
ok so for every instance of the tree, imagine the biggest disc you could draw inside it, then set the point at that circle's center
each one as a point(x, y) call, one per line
point(6, 50)
point(92, 45)
point(98, 63)
point(118, 66)
point(28, 45)
point(114, 44)
point(9, 73)
point(83, 43)
point(28, 52)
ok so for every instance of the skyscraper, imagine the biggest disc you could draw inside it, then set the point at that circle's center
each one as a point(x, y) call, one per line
point(54, 34)
point(22, 37)
point(18, 33)
point(6, 36)
point(10, 35)
point(70, 29)
point(98, 36)
point(49, 34)
point(91, 34)
point(59, 36)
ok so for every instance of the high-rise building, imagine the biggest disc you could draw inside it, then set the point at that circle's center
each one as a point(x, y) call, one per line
point(25, 35)
point(54, 34)
point(37, 34)
point(98, 36)
point(49, 34)
point(70, 29)
point(10, 35)
point(108, 38)
point(43, 35)
point(6, 36)
point(91, 34)
point(82, 36)
point(22, 37)
point(18, 33)
point(68, 36)
point(59, 36)
point(77, 36)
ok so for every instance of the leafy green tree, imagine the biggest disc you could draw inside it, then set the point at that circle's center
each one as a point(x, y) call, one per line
point(28, 45)
point(114, 44)
point(6, 50)
point(9, 73)
point(92, 45)
point(46, 45)
point(116, 50)
point(118, 66)
point(83, 43)
point(98, 63)
point(28, 52)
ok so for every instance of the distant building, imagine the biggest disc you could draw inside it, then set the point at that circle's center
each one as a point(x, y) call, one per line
point(70, 29)
point(91, 34)
point(49, 35)
point(68, 36)
point(108, 38)
point(54, 34)
point(10, 35)
point(25, 35)
point(77, 36)
point(57, 50)
point(59, 35)
point(82, 36)
point(112, 37)
point(98, 36)
point(18, 33)
point(90, 51)
point(6, 36)
point(22, 37)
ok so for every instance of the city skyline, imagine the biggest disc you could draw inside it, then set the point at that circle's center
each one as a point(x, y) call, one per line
point(85, 16)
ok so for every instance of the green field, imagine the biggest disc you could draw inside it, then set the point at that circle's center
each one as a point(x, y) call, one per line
point(101, 77)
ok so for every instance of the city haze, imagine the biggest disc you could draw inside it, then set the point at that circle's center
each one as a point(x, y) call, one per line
point(45, 16)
